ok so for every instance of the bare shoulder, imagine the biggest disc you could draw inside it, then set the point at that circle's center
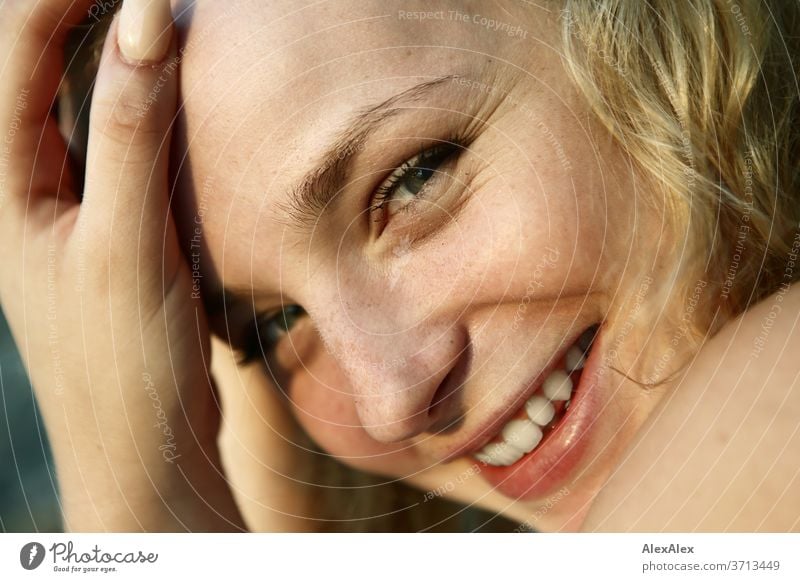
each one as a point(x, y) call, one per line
point(721, 452)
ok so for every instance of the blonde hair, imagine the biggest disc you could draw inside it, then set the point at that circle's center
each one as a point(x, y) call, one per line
point(703, 97)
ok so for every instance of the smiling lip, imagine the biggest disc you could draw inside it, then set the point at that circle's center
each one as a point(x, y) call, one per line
point(489, 431)
point(550, 464)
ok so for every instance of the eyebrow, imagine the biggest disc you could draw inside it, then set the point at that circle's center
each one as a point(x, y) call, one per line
point(316, 191)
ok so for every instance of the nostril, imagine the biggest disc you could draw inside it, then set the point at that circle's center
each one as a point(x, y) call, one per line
point(446, 407)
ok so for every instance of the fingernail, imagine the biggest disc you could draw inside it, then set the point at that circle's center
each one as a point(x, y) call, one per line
point(145, 30)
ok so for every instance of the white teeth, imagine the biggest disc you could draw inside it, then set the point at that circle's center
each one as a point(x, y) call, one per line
point(574, 359)
point(483, 457)
point(540, 410)
point(500, 453)
point(557, 386)
point(522, 434)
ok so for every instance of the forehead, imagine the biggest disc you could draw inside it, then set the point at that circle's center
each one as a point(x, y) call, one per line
point(266, 86)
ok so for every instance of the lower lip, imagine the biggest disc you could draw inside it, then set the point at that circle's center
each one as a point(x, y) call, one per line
point(550, 465)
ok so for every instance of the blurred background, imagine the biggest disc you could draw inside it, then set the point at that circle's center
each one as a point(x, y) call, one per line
point(28, 495)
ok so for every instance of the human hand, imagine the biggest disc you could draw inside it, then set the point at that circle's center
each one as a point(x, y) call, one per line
point(96, 290)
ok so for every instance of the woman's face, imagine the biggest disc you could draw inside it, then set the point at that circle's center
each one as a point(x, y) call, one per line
point(430, 190)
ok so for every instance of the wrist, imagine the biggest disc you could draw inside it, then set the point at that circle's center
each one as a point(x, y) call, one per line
point(115, 482)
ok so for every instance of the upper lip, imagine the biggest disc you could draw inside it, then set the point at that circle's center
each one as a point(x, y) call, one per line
point(498, 417)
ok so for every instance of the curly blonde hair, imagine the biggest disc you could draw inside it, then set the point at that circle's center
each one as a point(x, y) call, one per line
point(703, 97)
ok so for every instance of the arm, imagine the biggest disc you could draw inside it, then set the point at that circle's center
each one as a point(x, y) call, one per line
point(260, 449)
point(721, 452)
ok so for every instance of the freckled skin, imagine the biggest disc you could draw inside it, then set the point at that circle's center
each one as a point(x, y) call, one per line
point(266, 88)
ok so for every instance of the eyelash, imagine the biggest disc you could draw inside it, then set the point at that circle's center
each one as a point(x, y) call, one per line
point(430, 159)
point(261, 341)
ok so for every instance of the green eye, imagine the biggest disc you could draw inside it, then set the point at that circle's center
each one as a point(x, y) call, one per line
point(409, 180)
point(415, 179)
point(268, 331)
point(274, 327)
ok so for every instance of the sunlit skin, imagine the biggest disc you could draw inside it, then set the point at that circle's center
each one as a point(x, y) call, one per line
point(404, 228)
point(514, 248)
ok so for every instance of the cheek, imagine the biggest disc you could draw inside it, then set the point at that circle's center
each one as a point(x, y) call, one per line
point(324, 407)
point(520, 235)
point(534, 219)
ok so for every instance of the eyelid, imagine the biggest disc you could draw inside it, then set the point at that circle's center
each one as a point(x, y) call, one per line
point(393, 181)
point(450, 150)
point(251, 348)
point(453, 192)
point(256, 345)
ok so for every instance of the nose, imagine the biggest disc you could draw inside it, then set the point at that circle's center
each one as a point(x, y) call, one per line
point(407, 383)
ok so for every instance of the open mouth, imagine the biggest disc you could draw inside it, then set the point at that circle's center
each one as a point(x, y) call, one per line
point(543, 412)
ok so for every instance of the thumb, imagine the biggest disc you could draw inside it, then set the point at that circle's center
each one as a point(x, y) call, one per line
point(133, 108)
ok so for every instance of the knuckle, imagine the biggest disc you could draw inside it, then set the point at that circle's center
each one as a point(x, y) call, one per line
point(124, 114)
point(125, 120)
point(121, 119)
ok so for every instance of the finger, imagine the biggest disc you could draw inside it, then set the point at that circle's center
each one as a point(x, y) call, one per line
point(31, 44)
point(133, 108)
